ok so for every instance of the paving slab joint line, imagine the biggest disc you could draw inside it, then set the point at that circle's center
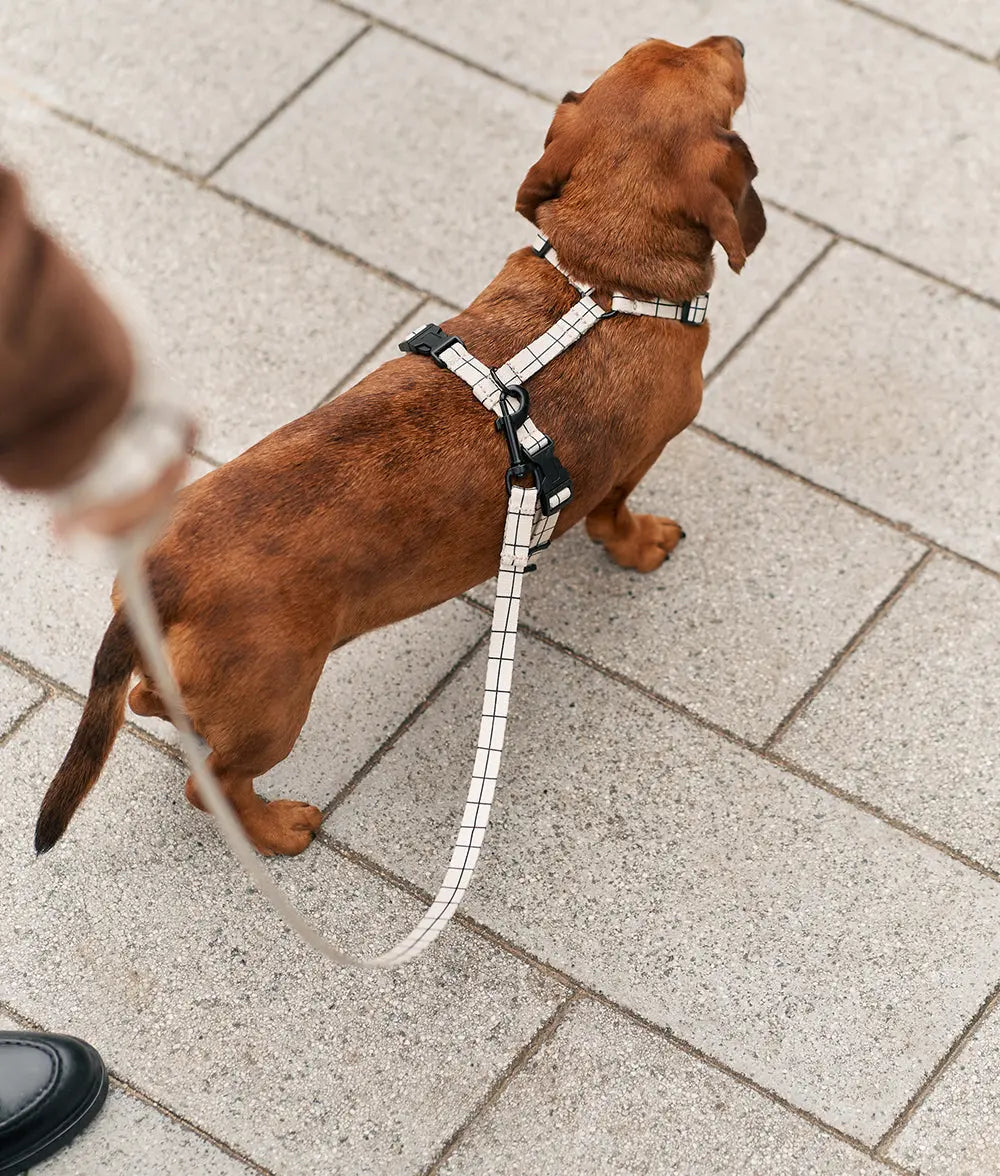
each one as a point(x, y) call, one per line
point(881, 610)
point(932, 1079)
point(858, 507)
point(9, 733)
point(769, 756)
point(815, 223)
point(353, 375)
point(387, 744)
point(460, 919)
point(304, 234)
point(127, 1088)
point(771, 310)
point(138, 1095)
point(916, 30)
point(427, 43)
point(57, 689)
point(500, 1084)
point(206, 186)
point(578, 990)
point(202, 456)
point(873, 810)
point(721, 1067)
point(288, 100)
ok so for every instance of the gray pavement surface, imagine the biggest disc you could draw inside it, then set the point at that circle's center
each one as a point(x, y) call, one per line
point(739, 912)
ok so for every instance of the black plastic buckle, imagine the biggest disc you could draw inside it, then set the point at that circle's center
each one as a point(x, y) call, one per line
point(551, 477)
point(690, 313)
point(430, 341)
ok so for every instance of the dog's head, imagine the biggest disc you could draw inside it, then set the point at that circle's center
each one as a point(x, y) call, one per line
point(642, 172)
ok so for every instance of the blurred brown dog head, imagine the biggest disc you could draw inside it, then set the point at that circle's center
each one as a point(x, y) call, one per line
point(642, 172)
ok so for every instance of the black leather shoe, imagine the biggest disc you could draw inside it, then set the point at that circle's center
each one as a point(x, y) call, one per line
point(50, 1089)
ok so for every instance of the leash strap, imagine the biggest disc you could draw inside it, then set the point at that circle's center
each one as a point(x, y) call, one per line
point(514, 555)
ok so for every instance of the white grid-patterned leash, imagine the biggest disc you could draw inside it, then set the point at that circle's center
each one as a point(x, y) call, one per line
point(514, 557)
point(532, 514)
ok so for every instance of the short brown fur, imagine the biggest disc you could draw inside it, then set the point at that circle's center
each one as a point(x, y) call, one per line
point(389, 500)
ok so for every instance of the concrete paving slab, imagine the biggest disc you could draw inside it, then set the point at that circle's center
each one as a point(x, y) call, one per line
point(430, 311)
point(138, 933)
point(771, 582)
point(251, 325)
point(130, 1137)
point(893, 405)
point(953, 1132)
point(969, 23)
point(55, 596)
point(54, 607)
point(432, 195)
point(908, 722)
point(54, 604)
point(605, 1096)
point(882, 134)
point(738, 301)
point(186, 82)
point(17, 694)
point(804, 943)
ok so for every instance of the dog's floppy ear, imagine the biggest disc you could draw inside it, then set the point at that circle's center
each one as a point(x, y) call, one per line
point(545, 179)
point(728, 206)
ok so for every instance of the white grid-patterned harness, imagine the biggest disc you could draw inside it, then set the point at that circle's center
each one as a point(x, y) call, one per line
point(532, 514)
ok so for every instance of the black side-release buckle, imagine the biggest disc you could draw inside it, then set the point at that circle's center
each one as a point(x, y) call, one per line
point(551, 477)
point(430, 341)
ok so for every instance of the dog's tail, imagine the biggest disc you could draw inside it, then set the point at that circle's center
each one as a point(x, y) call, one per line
point(102, 718)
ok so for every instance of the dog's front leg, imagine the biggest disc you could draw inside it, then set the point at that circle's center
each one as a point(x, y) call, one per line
point(635, 541)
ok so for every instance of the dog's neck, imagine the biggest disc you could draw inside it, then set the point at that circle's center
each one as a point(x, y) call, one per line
point(671, 260)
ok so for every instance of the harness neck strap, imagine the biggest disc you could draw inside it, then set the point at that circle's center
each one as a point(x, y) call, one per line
point(692, 312)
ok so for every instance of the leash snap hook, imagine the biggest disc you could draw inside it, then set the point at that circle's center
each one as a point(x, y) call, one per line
point(508, 423)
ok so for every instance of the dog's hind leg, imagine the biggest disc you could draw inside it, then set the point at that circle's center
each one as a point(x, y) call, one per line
point(635, 541)
point(252, 724)
point(273, 826)
point(145, 701)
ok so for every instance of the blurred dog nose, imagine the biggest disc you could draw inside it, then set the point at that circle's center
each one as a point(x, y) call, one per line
point(740, 46)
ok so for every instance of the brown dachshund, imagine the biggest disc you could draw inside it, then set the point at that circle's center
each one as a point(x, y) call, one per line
point(390, 499)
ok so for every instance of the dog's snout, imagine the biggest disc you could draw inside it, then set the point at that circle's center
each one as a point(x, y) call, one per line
point(739, 45)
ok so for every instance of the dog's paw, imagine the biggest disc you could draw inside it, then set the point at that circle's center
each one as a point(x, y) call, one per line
point(649, 543)
point(283, 827)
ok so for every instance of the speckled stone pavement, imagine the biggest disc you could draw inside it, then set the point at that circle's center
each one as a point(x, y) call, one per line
point(741, 916)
